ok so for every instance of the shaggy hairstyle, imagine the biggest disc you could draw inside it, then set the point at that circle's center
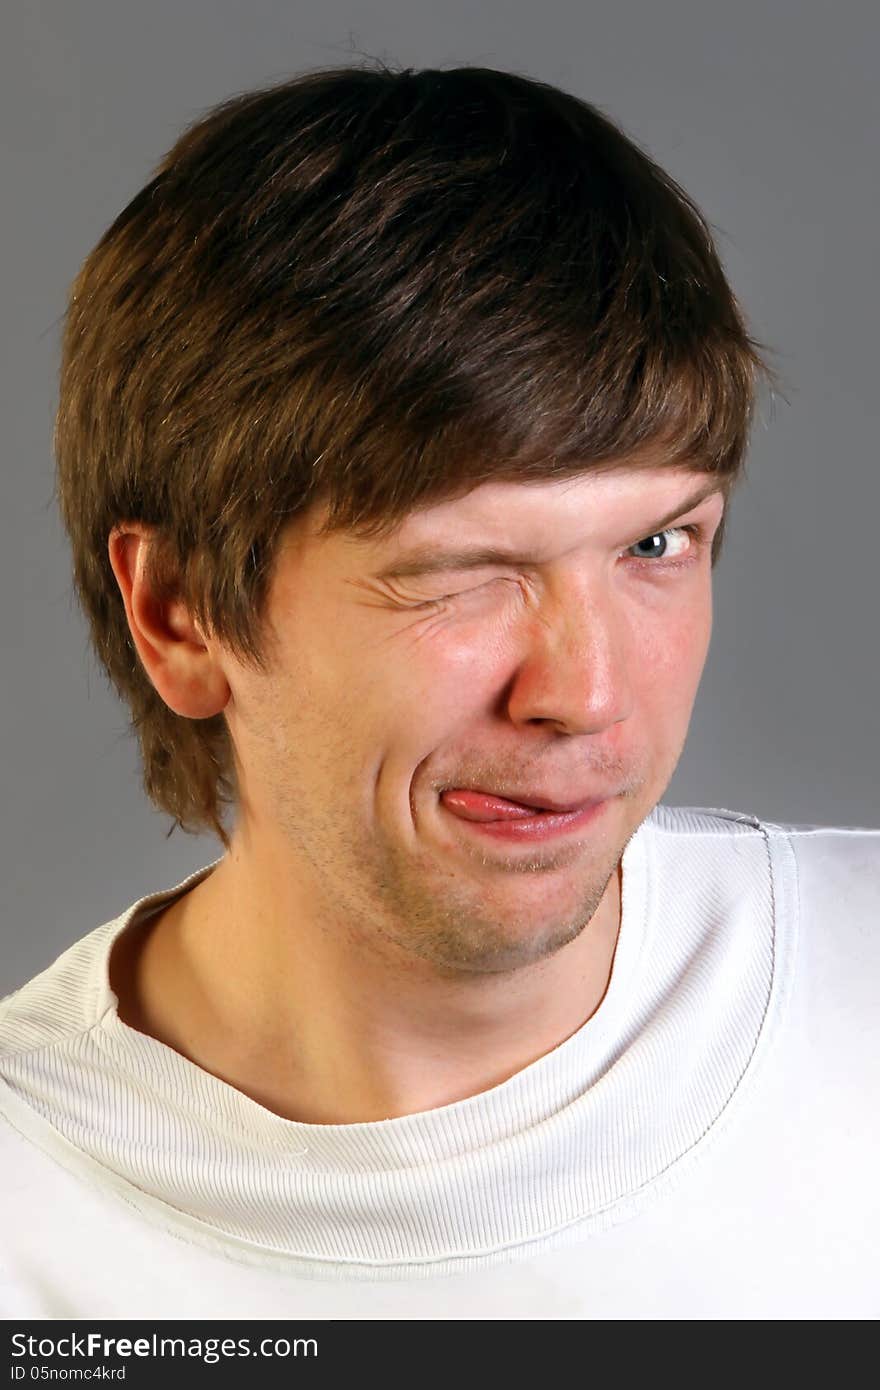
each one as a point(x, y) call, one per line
point(374, 289)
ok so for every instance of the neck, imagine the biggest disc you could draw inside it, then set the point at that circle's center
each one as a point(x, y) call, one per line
point(321, 1021)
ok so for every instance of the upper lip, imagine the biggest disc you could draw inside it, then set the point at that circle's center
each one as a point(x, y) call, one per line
point(542, 801)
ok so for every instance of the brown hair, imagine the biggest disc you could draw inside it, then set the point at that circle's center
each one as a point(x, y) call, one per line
point(375, 289)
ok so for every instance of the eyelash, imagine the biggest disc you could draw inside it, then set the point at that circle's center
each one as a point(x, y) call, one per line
point(694, 529)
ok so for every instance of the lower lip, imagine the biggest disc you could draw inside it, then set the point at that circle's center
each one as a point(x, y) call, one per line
point(539, 827)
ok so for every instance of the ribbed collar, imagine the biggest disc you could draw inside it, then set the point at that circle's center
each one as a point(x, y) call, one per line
point(573, 1138)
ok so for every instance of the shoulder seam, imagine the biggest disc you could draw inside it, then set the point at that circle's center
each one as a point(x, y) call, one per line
point(792, 830)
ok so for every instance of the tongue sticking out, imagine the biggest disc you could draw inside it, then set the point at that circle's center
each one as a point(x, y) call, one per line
point(479, 806)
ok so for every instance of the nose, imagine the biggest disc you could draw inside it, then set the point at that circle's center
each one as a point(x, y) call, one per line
point(575, 668)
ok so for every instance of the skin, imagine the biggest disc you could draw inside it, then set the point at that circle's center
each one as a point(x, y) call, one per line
point(361, 954)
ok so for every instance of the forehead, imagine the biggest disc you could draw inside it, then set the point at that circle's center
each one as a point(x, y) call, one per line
point(585, 496)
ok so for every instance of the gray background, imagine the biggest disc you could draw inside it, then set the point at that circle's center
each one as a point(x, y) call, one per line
point(766, 113)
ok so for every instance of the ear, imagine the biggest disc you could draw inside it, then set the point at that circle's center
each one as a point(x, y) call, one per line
point(178, 661)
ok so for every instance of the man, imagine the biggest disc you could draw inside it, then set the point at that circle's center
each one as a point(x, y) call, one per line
point(399, 418)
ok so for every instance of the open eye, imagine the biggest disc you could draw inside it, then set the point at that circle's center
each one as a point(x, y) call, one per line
point(686, 556)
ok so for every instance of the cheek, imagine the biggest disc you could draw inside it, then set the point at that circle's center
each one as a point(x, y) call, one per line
point(668, 656)
point(442, 669)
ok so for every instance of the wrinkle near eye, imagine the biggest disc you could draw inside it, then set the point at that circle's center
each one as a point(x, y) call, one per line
point(423, 627)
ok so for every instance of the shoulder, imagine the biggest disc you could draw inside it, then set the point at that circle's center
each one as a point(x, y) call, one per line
point(819, 887)
point(73, 993)
point(838, 871)
point(848, 853)
point(826, 880)
point(829, 873)
point(59, 1002)
point(838, 886)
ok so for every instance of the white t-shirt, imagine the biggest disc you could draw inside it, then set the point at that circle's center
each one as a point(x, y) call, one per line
point(706, 1146)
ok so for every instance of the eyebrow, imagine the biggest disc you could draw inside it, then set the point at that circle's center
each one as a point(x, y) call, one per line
point(429, 558)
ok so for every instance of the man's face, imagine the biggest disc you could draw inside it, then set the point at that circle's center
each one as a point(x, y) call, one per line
point(571, 669)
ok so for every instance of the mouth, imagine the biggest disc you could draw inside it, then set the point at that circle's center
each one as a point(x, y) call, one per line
point(503, 818)
point(476, 805)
